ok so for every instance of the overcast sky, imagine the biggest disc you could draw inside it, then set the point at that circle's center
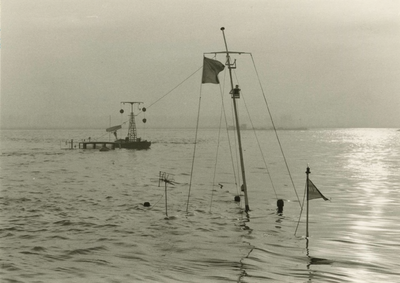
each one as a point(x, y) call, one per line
point(321, 62)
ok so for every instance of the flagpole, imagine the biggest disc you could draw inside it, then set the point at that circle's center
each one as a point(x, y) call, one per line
point(307, 182)
point(236, 94)
point(166, 202)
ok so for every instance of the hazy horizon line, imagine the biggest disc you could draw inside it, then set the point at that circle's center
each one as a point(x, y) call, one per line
point(202, 127)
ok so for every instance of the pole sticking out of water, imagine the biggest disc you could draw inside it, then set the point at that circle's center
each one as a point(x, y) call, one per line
point(167, 179)
point(236, 95)
point(308, 172)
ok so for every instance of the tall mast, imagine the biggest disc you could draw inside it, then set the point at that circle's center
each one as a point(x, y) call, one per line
point(236, 95)
point(132, 134)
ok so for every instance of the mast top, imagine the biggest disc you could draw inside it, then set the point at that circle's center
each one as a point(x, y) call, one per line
point(131, 102)
point(230, 52)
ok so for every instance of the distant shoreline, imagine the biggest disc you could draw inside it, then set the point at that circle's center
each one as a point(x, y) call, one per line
point(190, 128)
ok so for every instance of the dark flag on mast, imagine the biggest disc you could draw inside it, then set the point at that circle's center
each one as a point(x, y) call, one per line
point(211, 69)
point(313, 192)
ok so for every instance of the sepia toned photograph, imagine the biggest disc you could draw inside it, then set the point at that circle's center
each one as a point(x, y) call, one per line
point(200, 141)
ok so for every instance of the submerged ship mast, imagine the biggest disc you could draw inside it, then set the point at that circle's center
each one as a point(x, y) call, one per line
point(235, 92)
point(132, 133)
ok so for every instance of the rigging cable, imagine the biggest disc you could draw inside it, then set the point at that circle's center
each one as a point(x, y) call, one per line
point(154, 205)
point(216, 157)
point(140, 111)
point(223, 111)
point(236, 177)
point(175, 87)
point(276, 133)
point(194, 150)
point(216, 154)
point(258, 143)
point(301, 211)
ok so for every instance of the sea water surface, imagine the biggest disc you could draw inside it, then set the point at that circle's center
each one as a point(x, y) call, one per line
point(78, 215)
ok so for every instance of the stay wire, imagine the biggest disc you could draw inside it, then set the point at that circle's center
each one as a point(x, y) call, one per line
point(258, 143)
point(216, 156)
point(178, 85)
point(194, 150)
point(154, 205)
point(140, 110)
point(175, 87)
point(228, 136)
point(217, 151)
point(235, 176)
point(275, 131)
point(301, 210)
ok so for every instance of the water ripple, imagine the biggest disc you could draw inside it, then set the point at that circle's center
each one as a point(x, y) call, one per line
point(78, 216)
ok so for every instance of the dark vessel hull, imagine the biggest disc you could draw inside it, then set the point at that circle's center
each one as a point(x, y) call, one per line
point(133, 144)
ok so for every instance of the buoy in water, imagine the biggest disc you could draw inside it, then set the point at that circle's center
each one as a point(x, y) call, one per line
point(280, 205)
point(237, 198)
point(146, 204)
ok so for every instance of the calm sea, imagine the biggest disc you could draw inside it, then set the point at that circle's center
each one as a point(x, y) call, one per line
point(78, 215)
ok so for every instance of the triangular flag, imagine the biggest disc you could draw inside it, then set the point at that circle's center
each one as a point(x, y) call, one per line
point(313, 192)
point(211, 69)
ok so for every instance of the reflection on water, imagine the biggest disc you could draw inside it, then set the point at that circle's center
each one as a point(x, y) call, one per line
point(371, 156)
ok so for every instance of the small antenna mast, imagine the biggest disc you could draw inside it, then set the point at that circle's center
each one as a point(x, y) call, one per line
point(167, 179)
